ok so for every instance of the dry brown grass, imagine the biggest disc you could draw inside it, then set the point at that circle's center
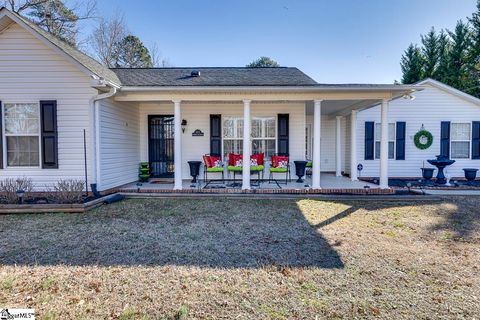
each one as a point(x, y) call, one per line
point(246, 259)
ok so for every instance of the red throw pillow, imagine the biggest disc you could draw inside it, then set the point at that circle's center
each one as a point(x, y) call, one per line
point(207, 161)
point(233, 158)
point(214, 160)
point(277, 159)
point(259, 158)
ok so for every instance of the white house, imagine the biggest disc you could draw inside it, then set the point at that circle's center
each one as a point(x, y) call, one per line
point(51, 94)
point(437, 103)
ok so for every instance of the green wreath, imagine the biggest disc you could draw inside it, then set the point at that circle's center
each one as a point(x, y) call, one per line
point(423, 139)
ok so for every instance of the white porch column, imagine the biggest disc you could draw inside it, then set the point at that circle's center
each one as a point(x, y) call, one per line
point(247, 145)
point(338, 146)
point(317, 118)
point(177, 122)
point(384, 146)
point(353, 146)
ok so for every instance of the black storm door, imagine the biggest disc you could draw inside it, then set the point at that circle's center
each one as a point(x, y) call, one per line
point(161, 146)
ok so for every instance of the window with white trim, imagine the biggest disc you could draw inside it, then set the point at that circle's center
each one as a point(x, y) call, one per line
point(22, 134)
point(391, 140)
point(460, 136)
point(232, 135)
point(263, 135)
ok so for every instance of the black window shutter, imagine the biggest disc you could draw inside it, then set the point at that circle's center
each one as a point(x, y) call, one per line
point(49, 138)
point(445, 139)
point(215, 135)
point(400, 141)
point(282, 134)
point(476, 140)
point(369, 140)
point(1, 136)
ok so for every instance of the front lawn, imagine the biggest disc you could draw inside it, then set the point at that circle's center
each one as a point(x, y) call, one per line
point(218, 258)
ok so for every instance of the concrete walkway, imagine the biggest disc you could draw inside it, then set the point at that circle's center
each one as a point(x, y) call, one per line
point(453, 192)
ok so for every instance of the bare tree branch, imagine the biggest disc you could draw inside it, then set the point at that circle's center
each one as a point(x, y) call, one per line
point(105, 35)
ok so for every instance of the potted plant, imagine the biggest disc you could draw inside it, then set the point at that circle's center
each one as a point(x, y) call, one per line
point(144, 171)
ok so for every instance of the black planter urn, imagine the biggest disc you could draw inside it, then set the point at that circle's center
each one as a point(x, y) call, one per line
point(300, 167)
point(427, 173)
point(470, 174)
point(194, 169)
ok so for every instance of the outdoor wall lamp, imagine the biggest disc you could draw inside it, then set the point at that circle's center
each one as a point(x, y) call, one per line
point(184, 125)
point(20, 193)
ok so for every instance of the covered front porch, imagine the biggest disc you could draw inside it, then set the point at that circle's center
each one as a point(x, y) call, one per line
point(176, 125)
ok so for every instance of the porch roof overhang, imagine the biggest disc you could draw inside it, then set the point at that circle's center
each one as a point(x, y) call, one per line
point(337, 99)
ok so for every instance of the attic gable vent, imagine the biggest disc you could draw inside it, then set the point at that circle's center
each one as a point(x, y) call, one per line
point(195, 73)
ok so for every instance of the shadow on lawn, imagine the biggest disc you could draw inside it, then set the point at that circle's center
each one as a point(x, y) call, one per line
point(203, 233)
point(461, 217)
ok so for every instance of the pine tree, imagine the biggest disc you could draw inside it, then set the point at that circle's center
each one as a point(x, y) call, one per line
point(458, 72)
point(441, 72)
point(412, 64)
point(474, 53)
point(57, 19)
point(430, 53)
point(263, 62)
point(131, 53)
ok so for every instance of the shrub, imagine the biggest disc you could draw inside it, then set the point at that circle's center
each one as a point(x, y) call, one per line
point(67, 191)
point(9, 187)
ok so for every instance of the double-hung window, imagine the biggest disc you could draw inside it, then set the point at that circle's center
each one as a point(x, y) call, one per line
point(460, 140)
point(22, 134)
point(391, 140)
point(232, 135)
point(263, 135)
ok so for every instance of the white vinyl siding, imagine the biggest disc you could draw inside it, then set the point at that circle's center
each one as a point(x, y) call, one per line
point(119, 143)
point(31, 71)
point(430, 107)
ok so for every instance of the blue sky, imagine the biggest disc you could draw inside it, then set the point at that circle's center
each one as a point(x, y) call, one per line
point(332, 41)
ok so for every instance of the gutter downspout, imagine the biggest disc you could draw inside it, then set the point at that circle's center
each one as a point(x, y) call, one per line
point(94, 103)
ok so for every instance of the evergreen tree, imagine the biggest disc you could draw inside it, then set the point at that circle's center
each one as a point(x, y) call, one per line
point(131, 53)
point(430, 53)
point(458, 72)
point(263, 62)
point(412, 65)
point(441, 72)
point(474, 53)
point(58, 17)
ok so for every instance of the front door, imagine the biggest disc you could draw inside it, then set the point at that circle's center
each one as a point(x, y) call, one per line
point(161, 146)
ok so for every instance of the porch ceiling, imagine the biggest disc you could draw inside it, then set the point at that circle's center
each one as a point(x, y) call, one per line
point(336, 99)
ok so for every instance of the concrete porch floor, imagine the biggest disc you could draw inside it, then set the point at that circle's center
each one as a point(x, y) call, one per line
point(327, 181)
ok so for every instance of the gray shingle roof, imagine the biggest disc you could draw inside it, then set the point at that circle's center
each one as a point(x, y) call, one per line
point(86, 61)
point(227, 76)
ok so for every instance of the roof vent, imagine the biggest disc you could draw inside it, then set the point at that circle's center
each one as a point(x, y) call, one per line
point(195, 73)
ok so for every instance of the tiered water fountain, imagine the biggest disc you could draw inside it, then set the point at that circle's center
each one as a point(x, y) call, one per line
point(441, 162)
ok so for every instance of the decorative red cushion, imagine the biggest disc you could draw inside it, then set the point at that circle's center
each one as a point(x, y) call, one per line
point(207, 161)
point(210, 161)
point(214, 160)
point(259, 157)
point(233, 158)
point(277, 159)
